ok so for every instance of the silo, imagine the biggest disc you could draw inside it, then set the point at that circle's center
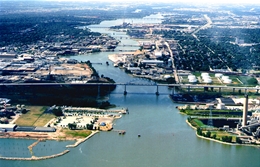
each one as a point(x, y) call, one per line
point(245, 109)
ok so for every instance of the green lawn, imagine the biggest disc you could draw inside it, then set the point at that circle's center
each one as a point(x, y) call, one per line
point(76, 133)
point(34, 117)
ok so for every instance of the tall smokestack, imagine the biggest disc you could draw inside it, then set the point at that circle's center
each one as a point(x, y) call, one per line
point(245, 109)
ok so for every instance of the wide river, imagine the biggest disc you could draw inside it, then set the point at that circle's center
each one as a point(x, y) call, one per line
point(166, 140)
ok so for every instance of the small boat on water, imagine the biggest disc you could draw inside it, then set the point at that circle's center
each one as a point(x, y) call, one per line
point(139, 135)
point(115, 65)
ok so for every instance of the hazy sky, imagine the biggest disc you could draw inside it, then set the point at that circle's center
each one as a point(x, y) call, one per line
point(169, 1)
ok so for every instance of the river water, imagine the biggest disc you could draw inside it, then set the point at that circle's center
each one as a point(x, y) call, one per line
point(166, 140)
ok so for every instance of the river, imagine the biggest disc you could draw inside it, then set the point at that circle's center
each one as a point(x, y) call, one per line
point(166, 140)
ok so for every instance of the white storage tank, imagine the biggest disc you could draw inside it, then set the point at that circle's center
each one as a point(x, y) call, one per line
point(191, 77)
point(224, 77)
point(218, 75)
point(206, 77)
point(193, 80)
point(227, 81)
point(204, 74)
point(207, 80)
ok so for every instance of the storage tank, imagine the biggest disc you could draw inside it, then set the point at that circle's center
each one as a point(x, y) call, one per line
point(218, 75)
point(204, 74)
point(224, 77)
point(193, 80)
point(227, 81)
point(207, 80)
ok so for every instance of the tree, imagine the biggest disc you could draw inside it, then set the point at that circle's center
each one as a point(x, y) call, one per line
point(90, 126)
point(170, 80)
point(199, 131)
point(208, 134)
point(238, 140)
point(72, 126)
point(24, 111)
point(57, 112)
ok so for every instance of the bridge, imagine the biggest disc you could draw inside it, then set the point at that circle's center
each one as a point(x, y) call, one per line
point(183, 86)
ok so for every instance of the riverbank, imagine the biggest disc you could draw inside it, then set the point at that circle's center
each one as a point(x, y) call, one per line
point(232, 144)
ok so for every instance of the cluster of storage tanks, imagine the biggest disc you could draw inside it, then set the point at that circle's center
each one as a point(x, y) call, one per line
point(207, 79)
point(224, 79)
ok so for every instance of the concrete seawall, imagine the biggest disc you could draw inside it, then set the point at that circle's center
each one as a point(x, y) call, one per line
point(33, 158)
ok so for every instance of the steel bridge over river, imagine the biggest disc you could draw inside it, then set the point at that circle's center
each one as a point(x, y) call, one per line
point(188, 87)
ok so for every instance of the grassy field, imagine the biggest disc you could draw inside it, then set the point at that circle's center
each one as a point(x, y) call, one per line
point(34, 117)
point(220, 134)
point(76, 133)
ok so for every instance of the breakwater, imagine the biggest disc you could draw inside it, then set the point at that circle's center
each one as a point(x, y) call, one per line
point(34, 158)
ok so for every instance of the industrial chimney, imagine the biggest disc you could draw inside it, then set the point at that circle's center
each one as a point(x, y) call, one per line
point(245, 109)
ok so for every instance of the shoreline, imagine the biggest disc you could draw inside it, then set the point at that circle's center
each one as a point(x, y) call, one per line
point(218, 141)
point(34, 158)
point(79, 141)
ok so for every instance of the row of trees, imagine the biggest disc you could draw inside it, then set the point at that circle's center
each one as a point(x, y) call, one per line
point(208, 134)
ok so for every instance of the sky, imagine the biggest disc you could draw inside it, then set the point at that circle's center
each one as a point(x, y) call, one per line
point(169, 1)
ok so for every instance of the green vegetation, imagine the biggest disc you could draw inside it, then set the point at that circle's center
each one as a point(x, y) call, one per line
point(34, 117)
point(57, 112)
point(205, 112)
point(196, 123)
point(76, 133)
point(214, 133)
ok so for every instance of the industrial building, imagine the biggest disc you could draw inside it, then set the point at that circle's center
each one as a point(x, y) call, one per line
point(14, 127)
point(7, 127)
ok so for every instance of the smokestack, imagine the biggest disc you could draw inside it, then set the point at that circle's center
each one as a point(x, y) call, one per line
point(245, 109)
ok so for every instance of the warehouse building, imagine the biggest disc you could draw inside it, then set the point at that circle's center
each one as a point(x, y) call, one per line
point(7, 127)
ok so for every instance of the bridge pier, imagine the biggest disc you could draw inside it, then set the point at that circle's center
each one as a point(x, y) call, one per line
point(125, 92)
point(98, 91)
point(188, 89)
point(219, 90)
point(245, 91)
point(233, 90)
point(257, 91)
point(157, 90)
